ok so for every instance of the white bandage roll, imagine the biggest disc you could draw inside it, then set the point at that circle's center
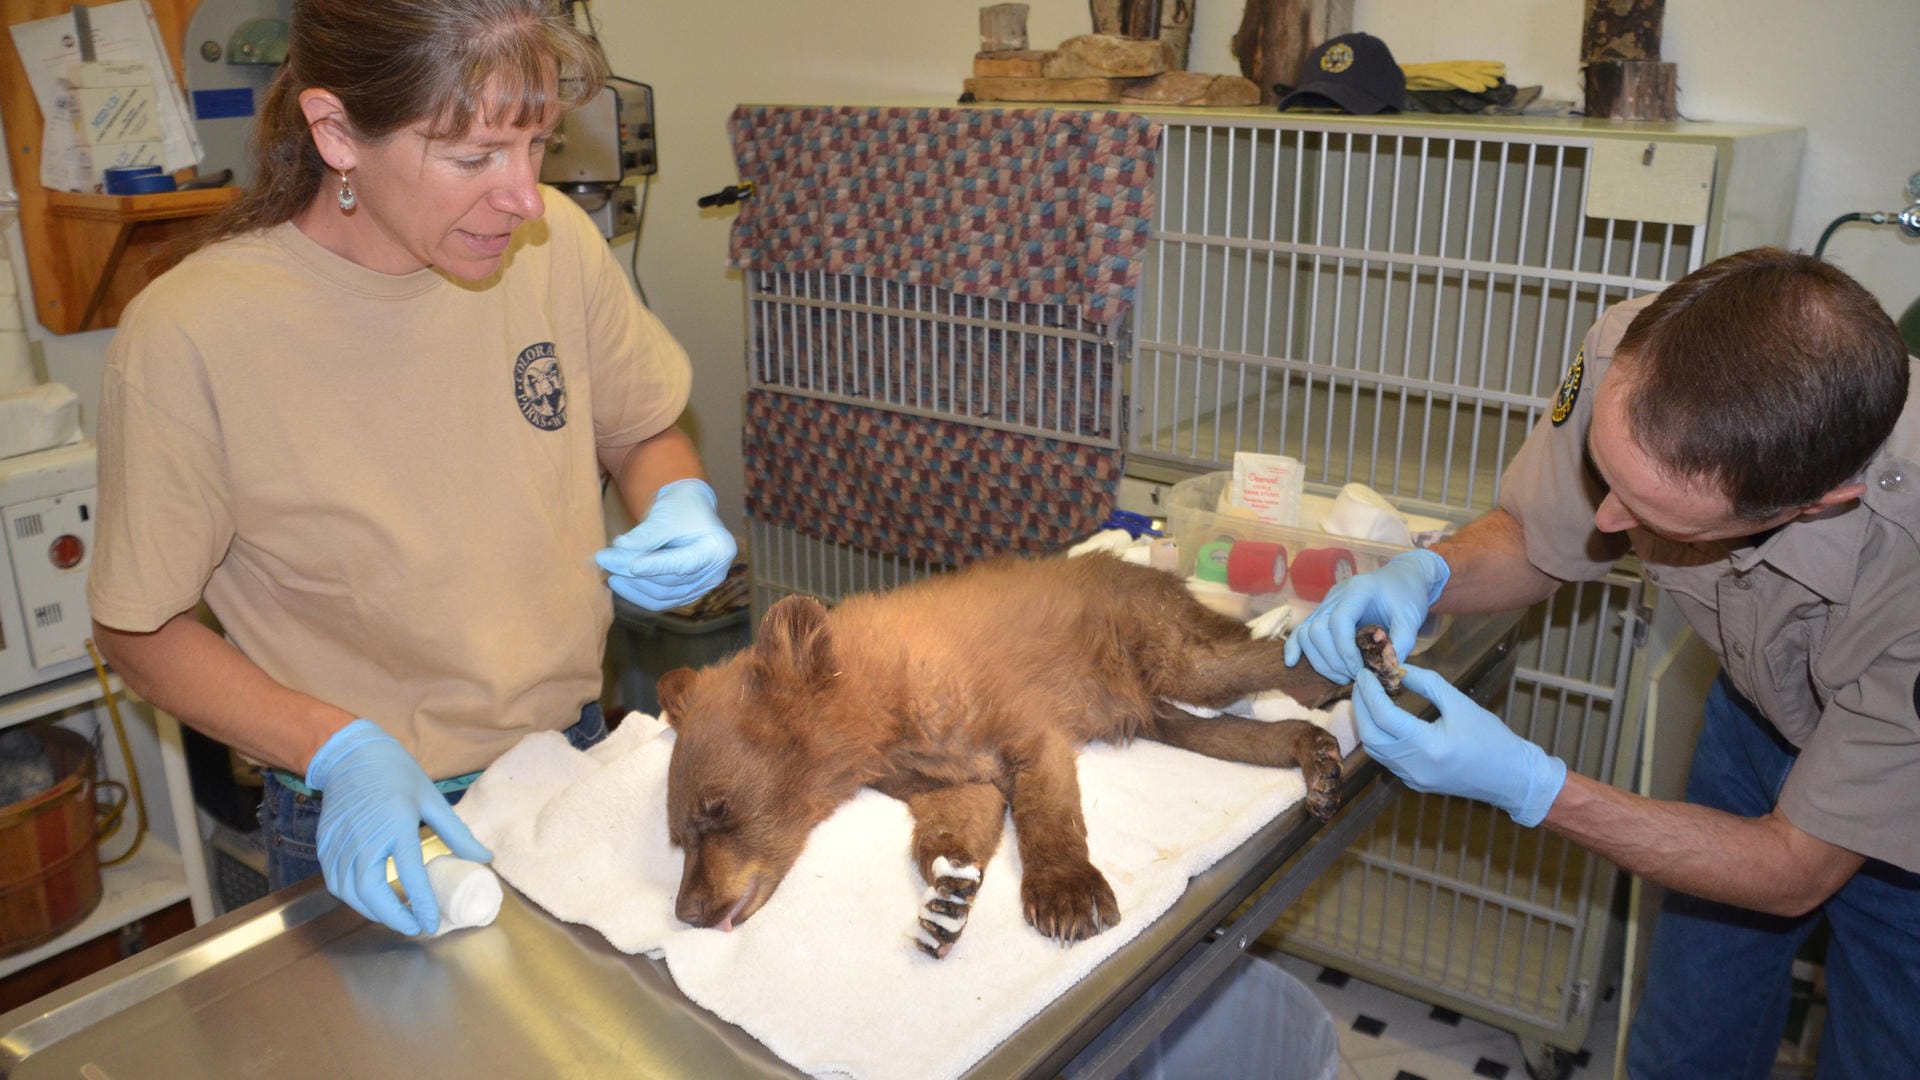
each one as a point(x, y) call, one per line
point(1361, 513)
point(468, 892)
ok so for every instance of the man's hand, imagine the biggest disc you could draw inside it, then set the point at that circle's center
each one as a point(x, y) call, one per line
point(674, 557)
point(1395, 596)
point(1468, 751)
point(374, 797)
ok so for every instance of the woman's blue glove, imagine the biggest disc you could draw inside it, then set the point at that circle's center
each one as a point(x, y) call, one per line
point(374, 797)
point(1468, 751)
point(1395, 596)
point(677, 555)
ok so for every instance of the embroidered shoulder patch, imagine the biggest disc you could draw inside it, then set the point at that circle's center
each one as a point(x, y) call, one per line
point(540, 387)
point(1569, 388)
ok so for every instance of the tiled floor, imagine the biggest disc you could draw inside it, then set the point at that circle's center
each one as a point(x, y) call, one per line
point(1386, 1036)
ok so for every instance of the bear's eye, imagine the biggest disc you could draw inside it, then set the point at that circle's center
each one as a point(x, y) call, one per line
point(712, 814)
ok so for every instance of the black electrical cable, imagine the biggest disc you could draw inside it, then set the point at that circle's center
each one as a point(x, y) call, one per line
point(639, 223)
point(1821, 247)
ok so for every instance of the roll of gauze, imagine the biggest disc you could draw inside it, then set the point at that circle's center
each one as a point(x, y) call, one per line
point(468, 893)
point(1361, 513)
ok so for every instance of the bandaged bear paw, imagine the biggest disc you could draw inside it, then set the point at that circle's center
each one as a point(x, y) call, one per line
point(946, 905)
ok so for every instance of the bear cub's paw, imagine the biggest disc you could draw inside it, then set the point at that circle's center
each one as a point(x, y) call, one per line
point(946, 905)
point(1068, 903)
point(1376, 648)
point(1320, 766)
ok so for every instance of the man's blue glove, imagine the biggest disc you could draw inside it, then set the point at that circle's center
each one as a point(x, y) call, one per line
point(374, 797)
point(1468, 751)
point(1395, 596)
point(677, 555)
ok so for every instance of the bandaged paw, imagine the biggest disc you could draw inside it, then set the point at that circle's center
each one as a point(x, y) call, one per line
point(945, 906)
point(468, 893)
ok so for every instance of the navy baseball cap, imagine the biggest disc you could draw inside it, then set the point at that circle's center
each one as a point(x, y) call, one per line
point(1354, 73)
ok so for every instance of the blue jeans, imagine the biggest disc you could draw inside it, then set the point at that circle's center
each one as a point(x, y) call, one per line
point(1719, 977)
point(290, 820)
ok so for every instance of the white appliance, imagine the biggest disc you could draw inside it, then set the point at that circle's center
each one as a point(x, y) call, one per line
point(46, 514)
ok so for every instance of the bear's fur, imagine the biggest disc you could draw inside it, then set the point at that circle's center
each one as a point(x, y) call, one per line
point(964, 695)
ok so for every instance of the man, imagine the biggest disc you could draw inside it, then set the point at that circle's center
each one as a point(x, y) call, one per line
point(1753, 434)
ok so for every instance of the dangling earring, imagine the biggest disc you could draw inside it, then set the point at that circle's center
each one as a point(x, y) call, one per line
point(347, 197)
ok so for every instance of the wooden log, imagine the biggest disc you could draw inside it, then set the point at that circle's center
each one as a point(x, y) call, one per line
point(1103, 91)
point(1193, 88)
point(1622, 30)
point(1631, 90)
point(1020, 64)
point(1106, 16)
point(1276, 35)
point(1003, 28)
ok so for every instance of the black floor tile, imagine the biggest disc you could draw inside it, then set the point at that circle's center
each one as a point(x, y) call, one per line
point(1367, 1025)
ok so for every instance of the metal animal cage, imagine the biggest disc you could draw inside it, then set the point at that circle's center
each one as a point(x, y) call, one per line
point(1391, 301)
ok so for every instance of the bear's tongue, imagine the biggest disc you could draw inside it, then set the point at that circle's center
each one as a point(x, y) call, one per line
point(753, 886)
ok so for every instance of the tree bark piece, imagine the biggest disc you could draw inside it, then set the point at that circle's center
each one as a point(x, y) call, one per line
point(1176, 29)
point(1631, 90)
point(1003, 28)
point(1023, 64)
point(1193, 88)
point(1276, 35)
point(1622, 30)
point(1105, 91)
point(1106, 56)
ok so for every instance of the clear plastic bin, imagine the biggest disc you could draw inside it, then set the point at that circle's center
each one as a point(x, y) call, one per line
point(646, 644)
point(1257, 1021)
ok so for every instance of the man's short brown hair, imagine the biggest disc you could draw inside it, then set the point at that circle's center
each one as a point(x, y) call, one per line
point(1769, 373)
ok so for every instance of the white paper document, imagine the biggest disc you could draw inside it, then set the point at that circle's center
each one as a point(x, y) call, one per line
point(123, 33)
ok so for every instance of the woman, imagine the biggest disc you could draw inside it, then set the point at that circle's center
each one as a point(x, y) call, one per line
point(367, 424)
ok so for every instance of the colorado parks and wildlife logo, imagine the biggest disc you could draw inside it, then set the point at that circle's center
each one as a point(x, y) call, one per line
point(1337, 59)
point(1569, 389)
point(540, 387)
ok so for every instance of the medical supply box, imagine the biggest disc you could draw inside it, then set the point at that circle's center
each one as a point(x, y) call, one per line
point(1258, 559)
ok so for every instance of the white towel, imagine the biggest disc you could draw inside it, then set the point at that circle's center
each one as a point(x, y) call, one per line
point(826, 974)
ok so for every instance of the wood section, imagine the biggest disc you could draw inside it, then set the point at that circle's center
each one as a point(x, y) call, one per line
point(1632, 90)
point(84, 959)
point(1018, 64)
point(1622, 30)
point(1102, 91)
point(1276, 35)
point(1104, 56)
point(1176, 29)
point(1003, 28)
point(89, 254)
point(1193, 88)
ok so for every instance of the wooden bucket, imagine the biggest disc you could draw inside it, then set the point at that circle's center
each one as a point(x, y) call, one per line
point(49, 853)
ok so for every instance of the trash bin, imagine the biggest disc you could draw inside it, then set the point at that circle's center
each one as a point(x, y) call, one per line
point(1257, 1021)
point(646, 644)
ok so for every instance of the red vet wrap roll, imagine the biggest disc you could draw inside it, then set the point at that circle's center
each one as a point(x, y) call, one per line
point(1317, 571)
point(1256, 566)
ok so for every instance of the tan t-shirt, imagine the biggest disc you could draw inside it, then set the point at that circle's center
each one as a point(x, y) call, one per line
point(1818, 625)
point(386, 487)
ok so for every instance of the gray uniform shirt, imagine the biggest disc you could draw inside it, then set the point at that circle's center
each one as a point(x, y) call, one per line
point(1818, 625)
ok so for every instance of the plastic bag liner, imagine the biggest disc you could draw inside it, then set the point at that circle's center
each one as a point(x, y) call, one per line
point(1256, 1021)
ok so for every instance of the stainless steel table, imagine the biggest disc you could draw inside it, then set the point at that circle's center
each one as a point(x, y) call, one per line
point(297, 985)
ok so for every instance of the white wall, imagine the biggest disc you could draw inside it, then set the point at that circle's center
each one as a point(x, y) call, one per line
point(1841, 69)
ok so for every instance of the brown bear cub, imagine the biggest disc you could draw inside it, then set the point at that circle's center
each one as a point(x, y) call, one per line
point(965, 695)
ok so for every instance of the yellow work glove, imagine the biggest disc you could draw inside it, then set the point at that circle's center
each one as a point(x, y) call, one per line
point(1473, 76)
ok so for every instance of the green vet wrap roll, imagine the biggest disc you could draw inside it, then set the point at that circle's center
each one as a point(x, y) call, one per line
point(1211, 563)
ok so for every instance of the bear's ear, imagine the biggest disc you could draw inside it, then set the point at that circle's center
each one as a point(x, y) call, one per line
point(674, 688)
point(794, 643)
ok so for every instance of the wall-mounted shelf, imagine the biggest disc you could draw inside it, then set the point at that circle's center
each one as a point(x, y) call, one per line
point(89, 254)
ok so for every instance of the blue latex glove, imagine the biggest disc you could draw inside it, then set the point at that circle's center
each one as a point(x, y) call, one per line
point(677, 555)
point(375, 797)
point(1395, 596)
point(1468, 751)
